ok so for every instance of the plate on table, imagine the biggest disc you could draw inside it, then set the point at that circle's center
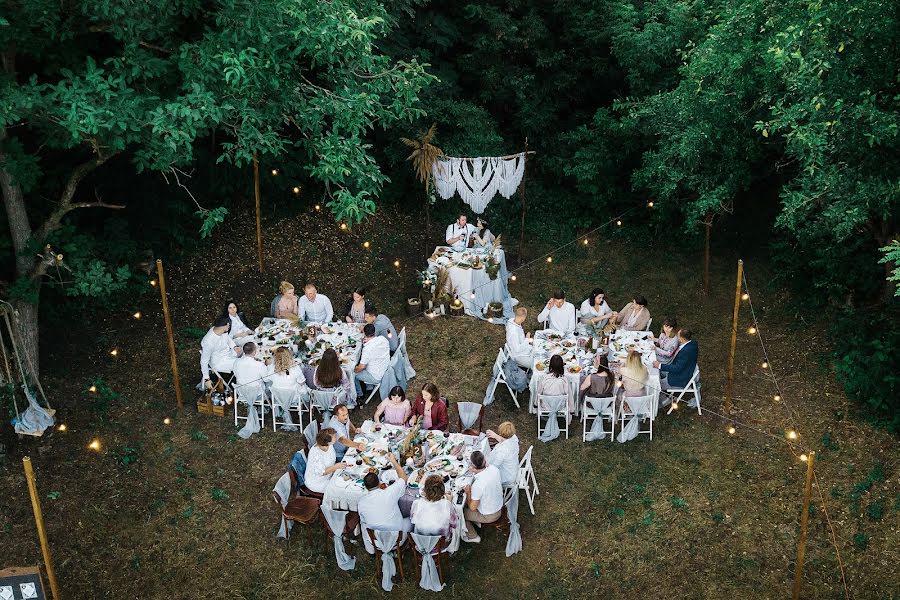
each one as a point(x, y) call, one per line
point(554, 337)
point(574, 369)
point(568, 344)
point(540, 366)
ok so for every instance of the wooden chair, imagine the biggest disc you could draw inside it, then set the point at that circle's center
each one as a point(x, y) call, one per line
point(302, 490)
point(402, 541)
point(300, 509)
point(476, 427)
point(439, 552)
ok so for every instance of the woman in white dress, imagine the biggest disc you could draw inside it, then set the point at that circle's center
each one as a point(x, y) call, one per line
point(287, 375)
point(432, 513)
point(321, 462)
point(239, 329)
point(555, 384)
point(505, 455)
point(594, 310)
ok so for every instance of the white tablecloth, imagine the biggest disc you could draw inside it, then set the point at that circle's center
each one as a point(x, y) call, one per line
point(619, 343)
point(463, 281)
point(577, 356)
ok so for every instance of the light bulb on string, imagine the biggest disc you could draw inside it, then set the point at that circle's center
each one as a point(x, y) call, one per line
point(765, 365)
point(512, 277)
point(366, 245)
point(137, 315)
point(490, 319)
point(114, 352)
point(153, 282)
point(62, 427)
point(674, 406)
point(791, 434)
point(745, 296)
point(650, 204)
point(804, 457)
point(472, 295)
point(318, 207)
point(585, 241)
point(93, 389)
point(549, 259)
point(167, 421)
point(274, 172)
point(777, 398)
point(619, 222)
point(751, 330)
point(94, 445)
point(296, 190)
point(343, 227)
point(397, 264)
point(731, 429)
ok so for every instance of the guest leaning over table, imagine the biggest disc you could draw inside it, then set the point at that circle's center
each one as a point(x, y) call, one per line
point(329, 376)
point(555, 383)
point(559, 314)
point(285, 305)
point(383, 327)
point(459, 233)
point(239, 327)
point(373, 362)
point(594, 310)
point(635, 316)
point(678, 373)
point(484, 496)
point(634, 375)
point(518, 341)
point(356, 307)
point(505, 455)
point(431, 407)
point(379, 509)
point(315, 307)
point(344, 431)
point(667, 342)
point(395, 408)
point(321, 462)
point(217, 352)
point(432, 513)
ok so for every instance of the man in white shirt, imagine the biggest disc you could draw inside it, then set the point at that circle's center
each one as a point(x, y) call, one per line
point(459, 233)
point(379, 509)
point(559, 314)
point(376, 355)
point(383, 327)
point(250, 372)
point(315, 307)
point(518, 341)
point(218, 351)
point(484, 496)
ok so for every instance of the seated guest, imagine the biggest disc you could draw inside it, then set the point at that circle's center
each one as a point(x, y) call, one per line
point(285, 305)
point(559, 314)
point(344, 431)
point(678, 373)
point(483, 236)
point(518, 341)
point(555, 383)
point(321, 462)
point(287, 374)
point(634, 375)
point(217, 352)
point(395, 408)
point(594, 310)
point(459, 233)
point(432, 513)
point(315, 307)
point(505, 455)
point(379, 509)
point(239, 327)
point(329, 375)
point(667, 342)
point(383, 327)
point(635, 316)
point(374, 360)
point(248, 370)
point(484, 496)
point(599, 384)
point(356, 307)
point(431, 407)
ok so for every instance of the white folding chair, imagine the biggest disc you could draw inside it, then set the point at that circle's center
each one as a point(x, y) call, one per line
point(251, 394)
point(324, 401)
point(287, 399)
point(507, 352)
point(649, 323)
point(527, 481)
point(640, 407)
point(309, 434)
point(392, 366)
point(557, 408)
point(598, 408)
point(692, 387)
point(497, 377)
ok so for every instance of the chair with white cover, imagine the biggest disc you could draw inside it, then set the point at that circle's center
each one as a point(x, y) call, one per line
point(425, 549)
point(387, 377)
point(470, 417)
point(556, 407)
point(527, 482)
point(337, 523)
point(649, 323)
point(310, 433)
point(498, 377)
point(324, 401)
point(253, 395)
point(285, 400)
point(636, 410)
point(598, 411)
point(388, 547)
point(509, 519)
point(228, 383)
point(404, 351)
point(692, 387)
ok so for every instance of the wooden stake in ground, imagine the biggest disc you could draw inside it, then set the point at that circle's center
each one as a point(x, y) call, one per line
point(39, 521)
point(804, 521)
point(522, 185)
point(708, 224)
point(734, 324)
point(258, 218)
point(165, 304)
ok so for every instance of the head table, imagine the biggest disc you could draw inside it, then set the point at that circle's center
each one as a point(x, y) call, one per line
point(468, 272)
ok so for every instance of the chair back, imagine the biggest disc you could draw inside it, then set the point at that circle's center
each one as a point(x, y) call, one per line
point(599, 406)
point(335, 522)
point(649, 323)
point(285, 397)
point(470, 414)
point(250, 393)
point(309, 434)
point(297, 471)
point(554, 403)
point(401, 340)
point(325, 400)
point(498, 364)
point(428, 546)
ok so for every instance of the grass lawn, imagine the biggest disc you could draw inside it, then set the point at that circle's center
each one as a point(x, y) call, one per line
point(184, 510)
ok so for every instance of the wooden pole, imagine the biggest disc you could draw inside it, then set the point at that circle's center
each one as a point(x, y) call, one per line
point(258, 218)
point(804, 522)
point(39, 521)
point(734, 325)
point(522, 185)
point(165, 305)
point(706, 260)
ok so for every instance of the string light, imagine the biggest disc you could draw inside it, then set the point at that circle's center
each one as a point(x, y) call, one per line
point(585, 242)
point(366, 245)
point(274, 172)
point(296, 190)
point(731, 430)
point(167, 421)
point(59, 257)
point(777, 398)
point(62, 427)
point(92, 389)
point(792, 435)
point(674, 406)
point(472, 295)
point(137, 315)
point(490, 319)
point(549, 259)
point(804, 457)
point(512, 277)
point(751, 330)
point(650, 204)
point(397, 263)
point(765, 365)
point(619, 222)
point(344, 226)
point(318, 207)
point(745, 296)
point(95, 445)
point(390, 335)
point(114, 352)
point(153, 282)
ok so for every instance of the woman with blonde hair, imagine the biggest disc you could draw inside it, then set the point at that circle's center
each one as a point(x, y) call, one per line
point(288, 374)
point(634, 375)
point(505, 455)
point(286, 304)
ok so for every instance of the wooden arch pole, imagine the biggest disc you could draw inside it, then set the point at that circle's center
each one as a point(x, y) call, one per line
point(804, 524)
point(160, 273)
point(708, 225)
point(258, 217)
point(39, 521)
point(729, 386)
point(522, 228)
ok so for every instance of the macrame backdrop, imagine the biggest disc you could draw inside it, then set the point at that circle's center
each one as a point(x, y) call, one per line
point(477, 180)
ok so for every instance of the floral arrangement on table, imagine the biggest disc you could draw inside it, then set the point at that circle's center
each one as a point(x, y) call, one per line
point(491, 267)
point(427, 281)
point(408, 447)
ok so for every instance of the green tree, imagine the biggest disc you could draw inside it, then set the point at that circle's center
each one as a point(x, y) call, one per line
point(97, 84)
